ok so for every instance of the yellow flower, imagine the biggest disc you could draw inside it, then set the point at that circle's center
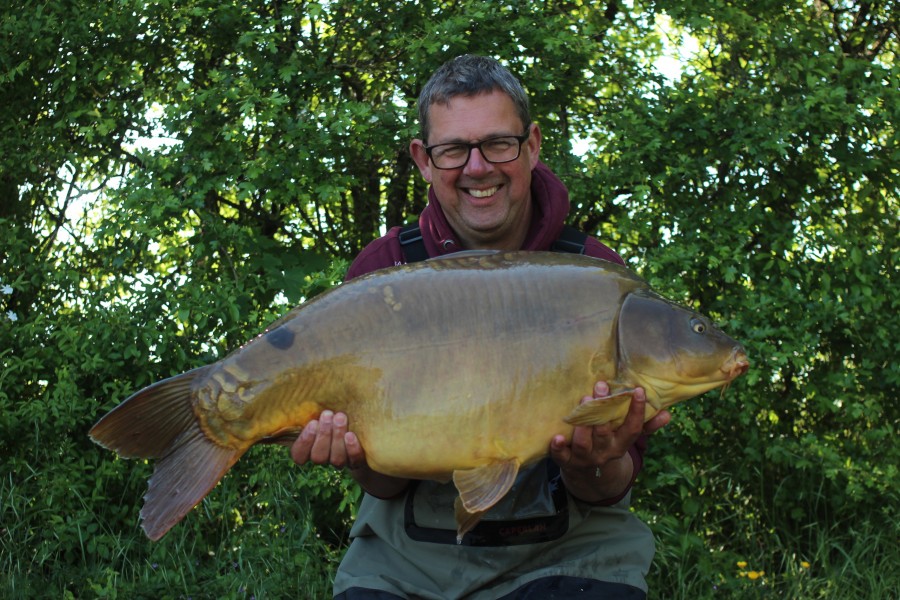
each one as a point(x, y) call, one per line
point(742, 564)
point(804, 564)
point(754, 575)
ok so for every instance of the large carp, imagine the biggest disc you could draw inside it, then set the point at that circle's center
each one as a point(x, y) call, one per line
point(460, 367)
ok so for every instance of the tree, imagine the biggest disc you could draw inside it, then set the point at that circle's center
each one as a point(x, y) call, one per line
point(761, 187)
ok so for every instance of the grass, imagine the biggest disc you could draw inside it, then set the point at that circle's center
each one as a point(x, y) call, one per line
point(180, 567)
point(270, 530)
point(852, 564)
point(857, 562)
point(216, 552)
point(844, 562)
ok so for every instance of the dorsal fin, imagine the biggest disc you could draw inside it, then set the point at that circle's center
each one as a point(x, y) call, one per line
point(464, 254)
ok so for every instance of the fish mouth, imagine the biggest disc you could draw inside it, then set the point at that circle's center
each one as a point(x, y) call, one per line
point(737, 364)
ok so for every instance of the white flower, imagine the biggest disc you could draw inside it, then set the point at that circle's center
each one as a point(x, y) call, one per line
point(12, 316)
point(7, 289)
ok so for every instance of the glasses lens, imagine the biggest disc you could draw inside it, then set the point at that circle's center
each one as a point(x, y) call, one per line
point(500, 150)
point(449, 156)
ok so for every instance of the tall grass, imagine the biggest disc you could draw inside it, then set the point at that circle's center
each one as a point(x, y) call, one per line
point(853, 560)
point(723, 537)
point(254, 536)
point(284, 543)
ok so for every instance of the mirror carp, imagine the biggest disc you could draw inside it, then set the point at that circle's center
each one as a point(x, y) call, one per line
point(461, 367)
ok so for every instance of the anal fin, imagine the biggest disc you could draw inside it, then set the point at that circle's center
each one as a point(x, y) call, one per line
point(465, 520)
point(480, 489)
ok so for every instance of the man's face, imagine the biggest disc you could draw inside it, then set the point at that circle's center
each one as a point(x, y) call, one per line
point(488, 205)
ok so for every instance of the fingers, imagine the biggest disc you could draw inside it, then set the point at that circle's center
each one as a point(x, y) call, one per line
point(356, 458)
point(323, 442)
point(582, 444)
point(659, 420)
point(634, 420)
point(601, 390)
point(321, 447)
point(559, 450)
point(300, 449)
point(334, 449)
point(637, 411)
point(601, 443)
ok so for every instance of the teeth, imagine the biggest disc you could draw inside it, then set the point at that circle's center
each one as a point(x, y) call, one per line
point(484, 193)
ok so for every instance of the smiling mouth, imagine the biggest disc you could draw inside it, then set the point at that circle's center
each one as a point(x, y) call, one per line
point(485, 193)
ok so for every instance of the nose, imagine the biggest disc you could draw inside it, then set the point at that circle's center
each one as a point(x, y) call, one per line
point(477, 163)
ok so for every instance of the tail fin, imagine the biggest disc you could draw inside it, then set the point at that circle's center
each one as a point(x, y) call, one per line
point(159, 422)
point(182, 478)
point(146, 423)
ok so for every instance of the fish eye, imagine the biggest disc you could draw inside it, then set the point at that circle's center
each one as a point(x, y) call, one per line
point(698, 326)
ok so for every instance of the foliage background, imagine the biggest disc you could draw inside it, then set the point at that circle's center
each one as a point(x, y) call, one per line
point(175, 175)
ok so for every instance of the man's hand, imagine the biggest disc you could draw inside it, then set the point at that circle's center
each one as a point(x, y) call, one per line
point(328, 441)
point(596, 464)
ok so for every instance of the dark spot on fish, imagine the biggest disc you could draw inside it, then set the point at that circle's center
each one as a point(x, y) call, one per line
point(281, 338)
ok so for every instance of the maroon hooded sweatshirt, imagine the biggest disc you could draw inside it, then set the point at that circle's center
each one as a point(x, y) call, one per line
point(551, 208)
point(551, 203)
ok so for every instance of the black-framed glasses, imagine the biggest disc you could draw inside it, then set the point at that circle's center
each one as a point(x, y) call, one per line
point(501, 149)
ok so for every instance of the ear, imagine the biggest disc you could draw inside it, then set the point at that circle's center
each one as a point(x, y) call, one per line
point(417, 150)
point(533, 145)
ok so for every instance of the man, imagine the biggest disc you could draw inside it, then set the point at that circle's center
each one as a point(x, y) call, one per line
point(564, 530)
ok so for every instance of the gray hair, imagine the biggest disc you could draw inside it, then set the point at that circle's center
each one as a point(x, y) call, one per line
point(470, 75)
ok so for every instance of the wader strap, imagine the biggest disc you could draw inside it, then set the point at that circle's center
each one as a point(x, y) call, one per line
point(570, 240)
point(411, 243)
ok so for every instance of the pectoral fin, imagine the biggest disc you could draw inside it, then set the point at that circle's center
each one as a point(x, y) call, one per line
point(608, 409)
point(480, 489)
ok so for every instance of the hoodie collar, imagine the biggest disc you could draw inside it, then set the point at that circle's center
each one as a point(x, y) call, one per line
point(551, 207)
